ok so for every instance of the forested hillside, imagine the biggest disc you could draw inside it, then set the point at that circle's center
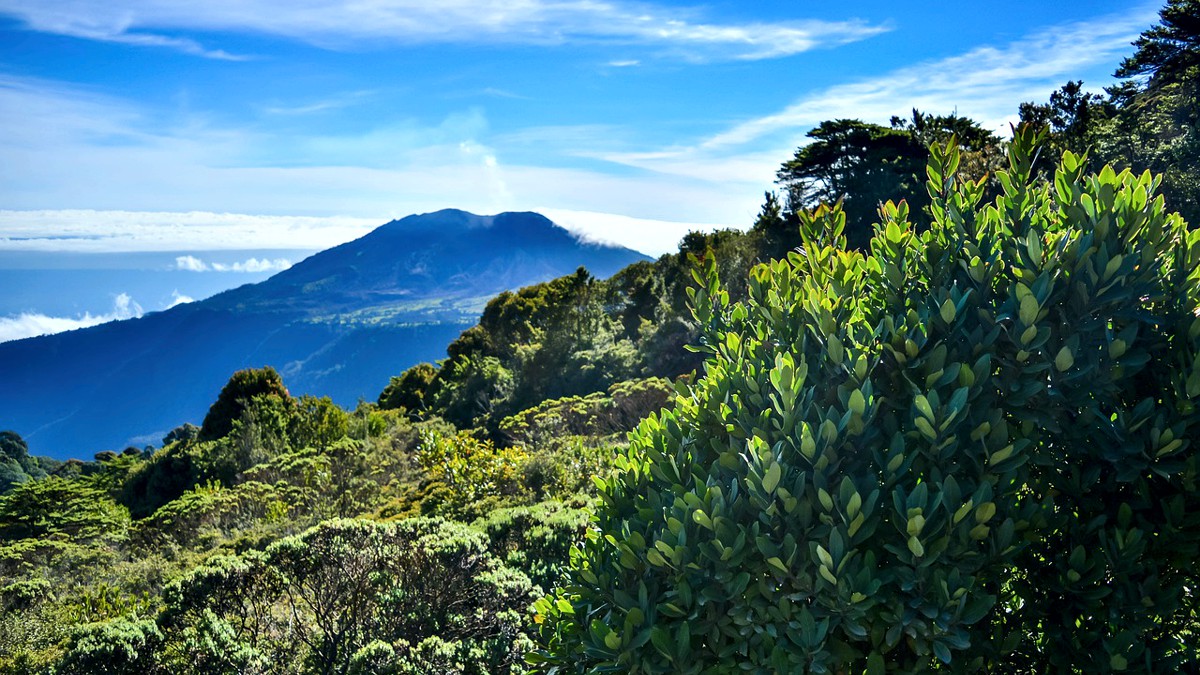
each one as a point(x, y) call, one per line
point(945, 425)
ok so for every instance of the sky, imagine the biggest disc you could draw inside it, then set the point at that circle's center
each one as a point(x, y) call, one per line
point(236, 129)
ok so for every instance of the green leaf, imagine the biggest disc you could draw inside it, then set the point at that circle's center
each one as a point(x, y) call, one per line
point(771, 479)
point(1064, 360)
point(948, 311)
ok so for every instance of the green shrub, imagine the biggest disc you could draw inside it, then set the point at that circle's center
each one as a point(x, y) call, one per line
point(350, 594)
point(971, 450)
point(118, 647)
point(537, 539)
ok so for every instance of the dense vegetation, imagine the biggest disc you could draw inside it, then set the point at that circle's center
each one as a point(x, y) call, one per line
point(969, 448)
point(959, 439)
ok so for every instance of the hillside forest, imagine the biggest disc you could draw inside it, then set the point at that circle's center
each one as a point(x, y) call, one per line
point(933, 411)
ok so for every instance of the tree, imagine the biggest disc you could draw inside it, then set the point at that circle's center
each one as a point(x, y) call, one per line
point(407, 391)
point(1169, 52)
point(971, 450)
point(857, 163)
point(12, 446)
point(1157, 121)
point(237, 392)
point(16, 464)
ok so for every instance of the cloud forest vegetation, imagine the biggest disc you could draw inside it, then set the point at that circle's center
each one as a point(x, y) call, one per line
point(933, 411)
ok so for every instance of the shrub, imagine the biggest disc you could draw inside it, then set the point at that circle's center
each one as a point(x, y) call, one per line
point(350, 595)
point(973, 448)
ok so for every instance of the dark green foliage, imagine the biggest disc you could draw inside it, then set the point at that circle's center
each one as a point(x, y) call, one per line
point(243, 386)
point(971, 450)
point(1149, 122)
point(16, 465)
point(862, 165)
point(1170, 51)
point(352, 592)
point(12, 446)
point(407, 391)
point(859, 164)
point(182, 433)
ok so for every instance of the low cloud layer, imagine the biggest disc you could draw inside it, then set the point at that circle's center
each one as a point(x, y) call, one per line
point(92, 231)
point(31, 325)
point(190, 263)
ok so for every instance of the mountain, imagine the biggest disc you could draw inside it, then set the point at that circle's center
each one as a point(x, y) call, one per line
point(339, 323)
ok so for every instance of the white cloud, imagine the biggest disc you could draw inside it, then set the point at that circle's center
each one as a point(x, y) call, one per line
point(30, 325)
point(340, 24)
point(190, 263)
point(254, 265)
point(178, 298)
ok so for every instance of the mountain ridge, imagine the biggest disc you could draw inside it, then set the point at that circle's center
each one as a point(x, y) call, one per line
point(338, 323)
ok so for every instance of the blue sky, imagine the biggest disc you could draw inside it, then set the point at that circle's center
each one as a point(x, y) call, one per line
point(163, 125)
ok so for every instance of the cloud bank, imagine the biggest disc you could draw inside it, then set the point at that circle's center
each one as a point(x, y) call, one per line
point(30, 324)
point(94, 231)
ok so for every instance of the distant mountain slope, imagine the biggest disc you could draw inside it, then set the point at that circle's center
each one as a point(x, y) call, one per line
point(338, 323)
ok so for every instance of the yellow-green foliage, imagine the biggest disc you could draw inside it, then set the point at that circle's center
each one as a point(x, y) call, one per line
point(972, 450)
point(468, 469)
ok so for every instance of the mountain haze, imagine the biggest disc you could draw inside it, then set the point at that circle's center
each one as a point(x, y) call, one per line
point(339, 323)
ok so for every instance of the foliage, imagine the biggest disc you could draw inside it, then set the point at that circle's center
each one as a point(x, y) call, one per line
point(971, 448)
point(625, 404)
point(58, 506)
point(12, 446)
point(349, 592)
point(856, 163)
point(407, 391)
point(317, 423)
point(17, 465)
point(241, 387)
point(1149, 122)
point(469, 469)
point(536, 539)
point(862, 165)
point(1170, 51)
point(119, 647)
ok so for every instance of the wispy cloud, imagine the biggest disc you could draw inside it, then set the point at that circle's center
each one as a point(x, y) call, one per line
point(63, 146)
point(337, 102)
point(986, 84)
point(341, 24)
point(190, 263)
point(30, 324)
